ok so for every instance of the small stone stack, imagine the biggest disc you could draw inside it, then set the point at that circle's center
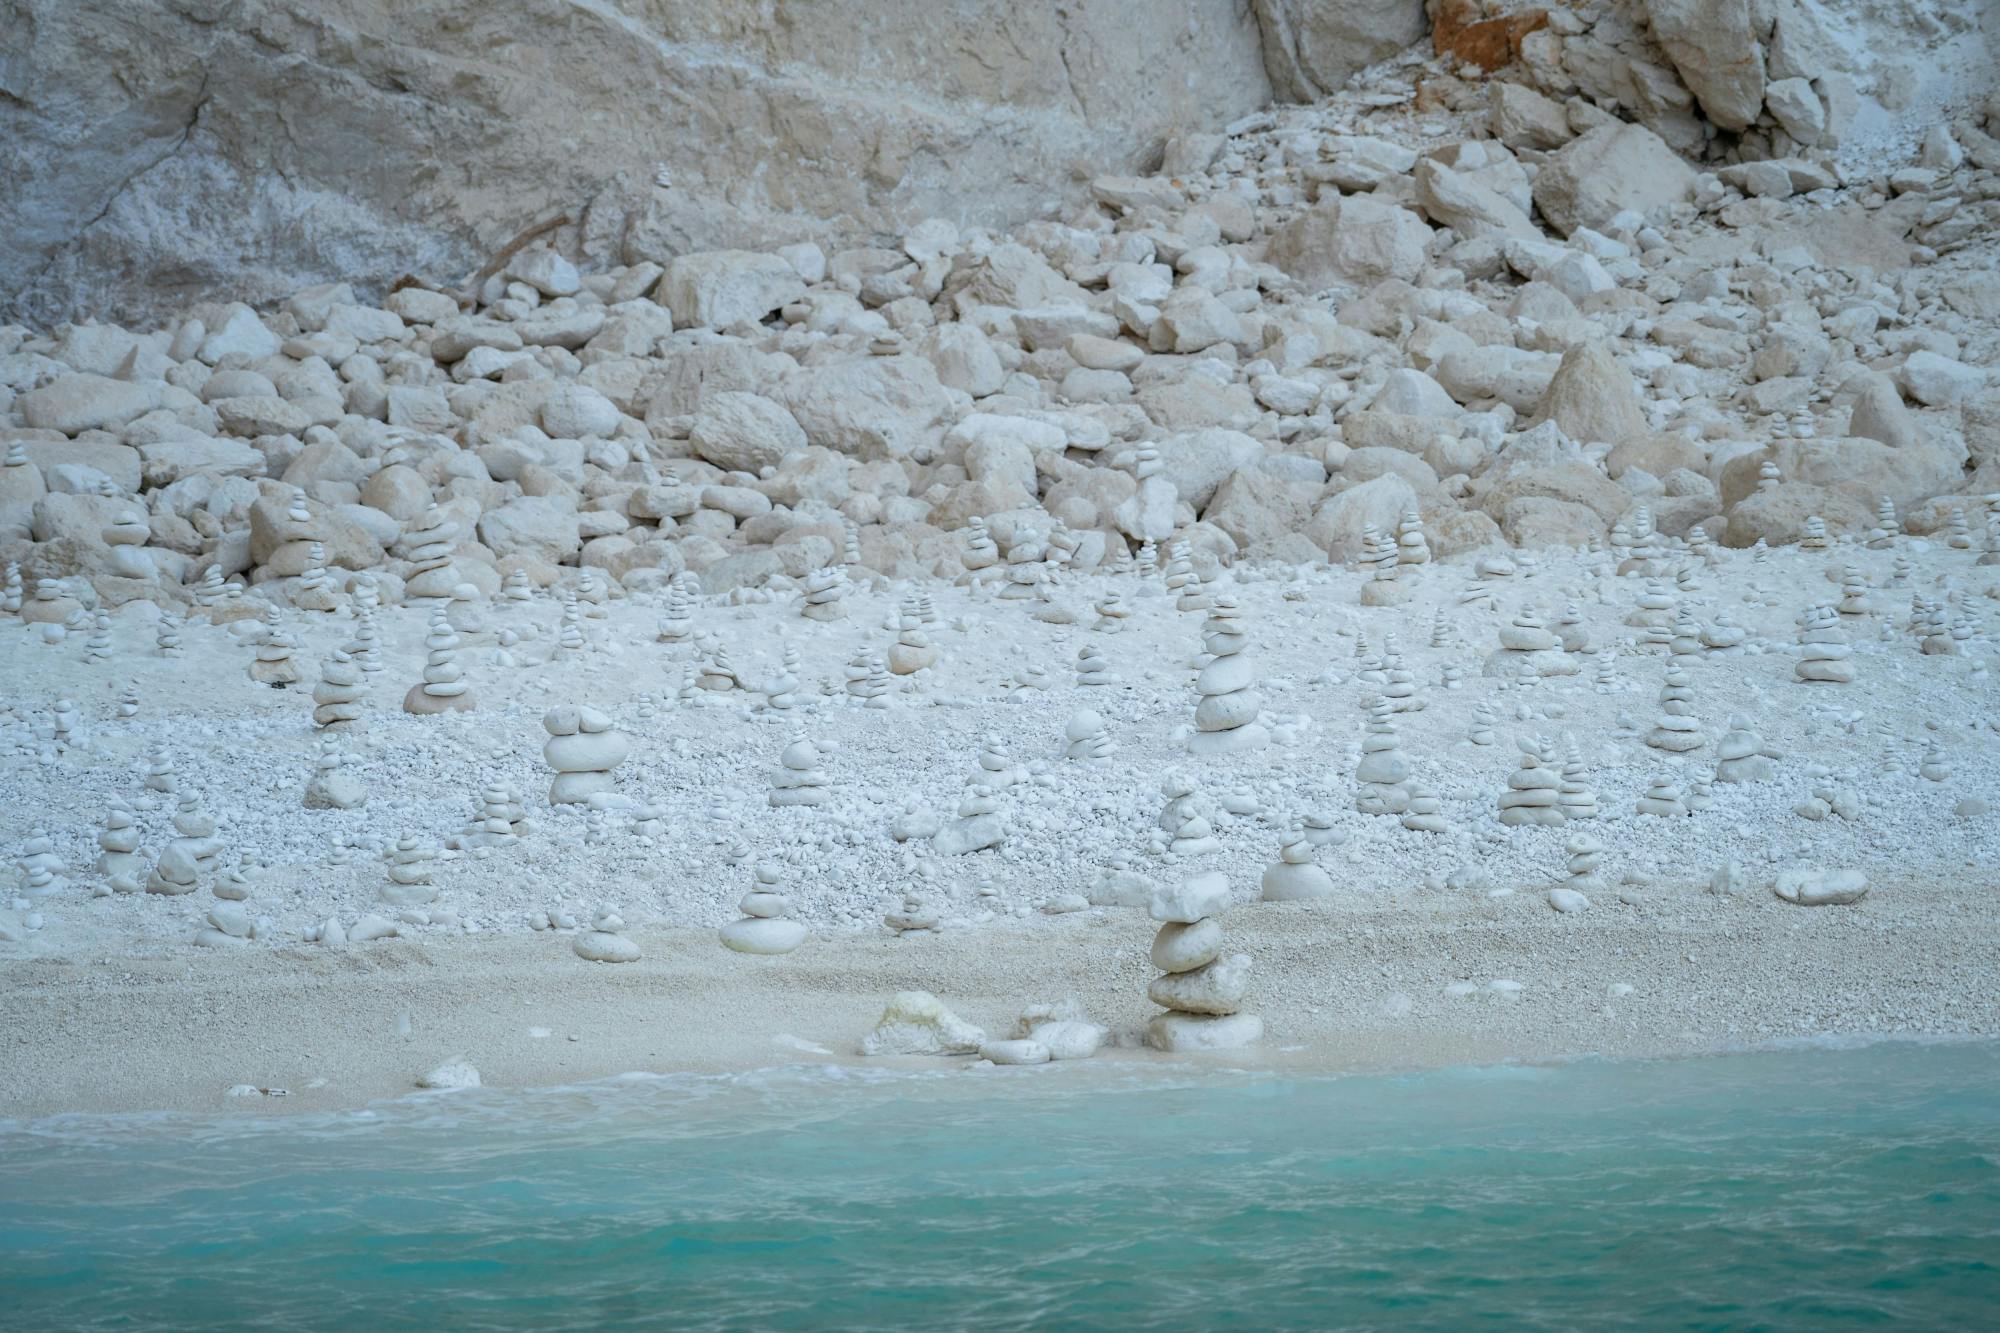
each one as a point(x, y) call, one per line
point(314, 590)
point(782, 690)
point(799, 779)
point(1882, 536)
point(765, 927)
point(118, 846)
point(913, 650)
point(1087, 738)
point(823, 595)
point(1740, 756)
point(331, 786)
point(1201, 989)
point(1853, 593)
point(1663, 798)
point(409, 873)
point(274, 665)
point(1294, 876)
point(502, 820)
point(677, 621)
point(1586, 855)
point(1534, 790)
point(1575, 798)
point(582, 748)
point(979, 551)
point(1092, 670)
point(1528, 648)
point(1411, 547)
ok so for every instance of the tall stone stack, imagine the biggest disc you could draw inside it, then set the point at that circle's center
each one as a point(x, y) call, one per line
point(443, 688)
point(1381, 779)
point(427, 545)
point(1226, 718)
point(1201, 989)
point(1823, 648)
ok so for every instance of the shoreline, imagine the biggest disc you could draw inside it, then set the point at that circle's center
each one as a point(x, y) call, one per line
point(1353, 984)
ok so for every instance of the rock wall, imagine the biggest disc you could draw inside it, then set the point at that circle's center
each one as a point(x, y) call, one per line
point(180, 149)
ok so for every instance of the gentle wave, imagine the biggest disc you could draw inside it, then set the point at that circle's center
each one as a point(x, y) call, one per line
point(1808, 1188)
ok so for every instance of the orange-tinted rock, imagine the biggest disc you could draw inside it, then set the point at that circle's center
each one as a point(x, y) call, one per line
point(1459, 30)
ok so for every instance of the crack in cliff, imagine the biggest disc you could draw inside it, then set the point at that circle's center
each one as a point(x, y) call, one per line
point(1064, 36)
point(190, 122)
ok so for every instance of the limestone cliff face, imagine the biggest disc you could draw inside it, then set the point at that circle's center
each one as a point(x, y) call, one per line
point(162, 152)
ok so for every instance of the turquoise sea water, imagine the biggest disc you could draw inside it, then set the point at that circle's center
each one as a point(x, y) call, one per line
point(1815, 1189)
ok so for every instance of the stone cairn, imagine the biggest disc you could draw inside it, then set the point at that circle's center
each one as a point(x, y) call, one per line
point(1741, 755)
point(677, 622)
point(1226, 718)
point(1411, 546)
point(823, 594)
point(1087, 737)
point(1426, 812)
point(427, 545)
point(765, 927)
point(913, 650)
point(1586, 855)
point(1294, 875)
point(1381, 777)
point(1534, 790)
point(502, 820)
point(583, 748)
point(781, 691)
point(443, 688)
point(1663, 798)
point(799, 779)
point(1823, 648)
point(1676, 731)
point(314, 590)
point(1575, 798)
point(337, 697)
point(332, 786)
point(273, 665)
point(979, 551)
point(118, 847)
point(410, 865)
point(1092, 669)
point(1201, 989)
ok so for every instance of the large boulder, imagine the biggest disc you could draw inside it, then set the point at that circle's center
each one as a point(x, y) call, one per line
point(541, 526)
point(744, 432)
point(718, 288)
point(1861, 468)
point(1311, 46)
point(1197, 461)
point(1608, 170)
point(1592, 398)
point(1338, 525)
point(1358, 240)
point(76, 403)
point(881, 407)
point(1459, 201)
point(1714, 46)
point(1777, 516)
